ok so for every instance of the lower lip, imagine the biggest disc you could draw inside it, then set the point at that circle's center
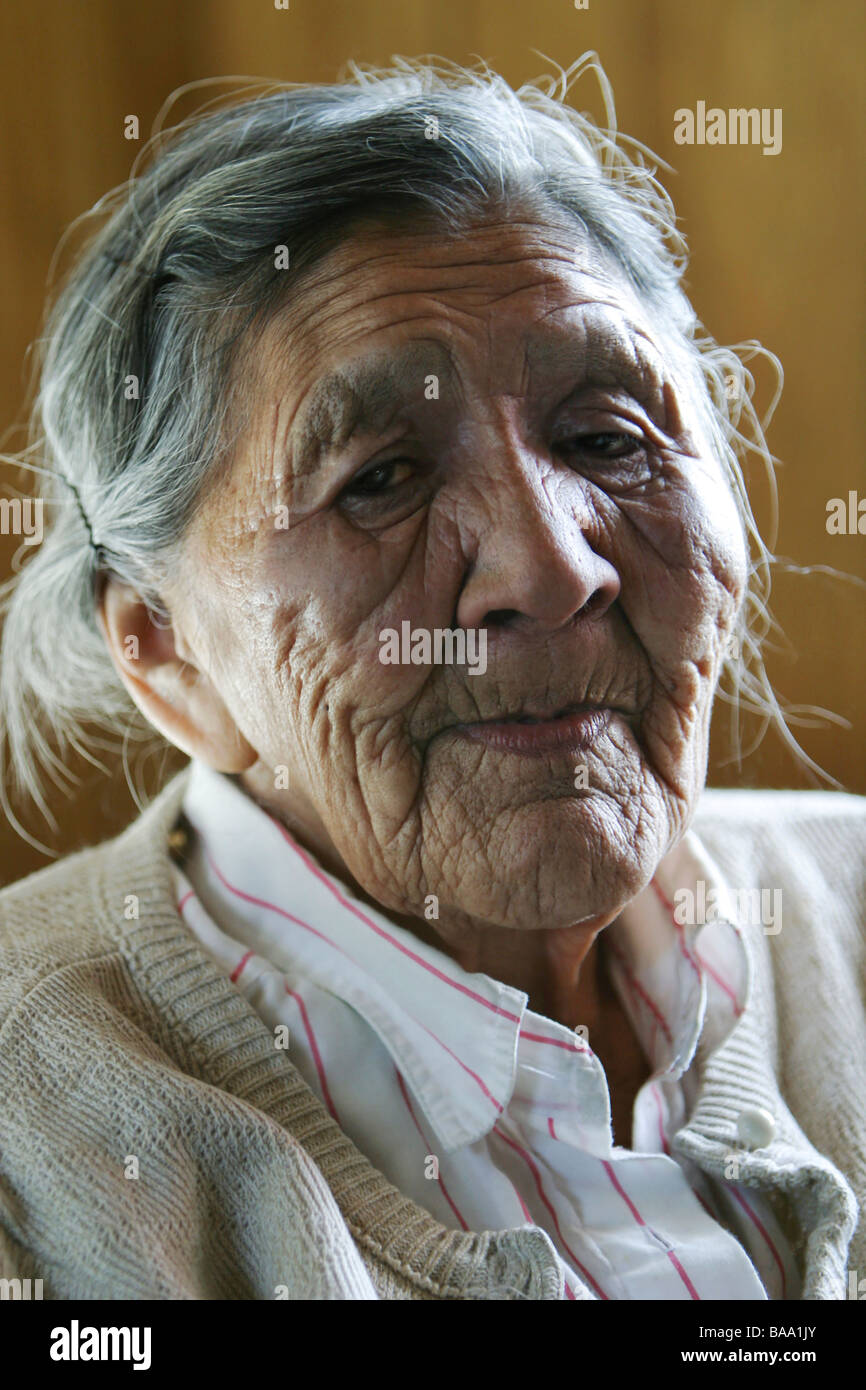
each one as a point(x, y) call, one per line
point(576, 731)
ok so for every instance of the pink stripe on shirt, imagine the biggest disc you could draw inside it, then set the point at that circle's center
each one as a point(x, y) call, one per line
point(763, 1230)
point(723, 984)
point(693, 1293)
point(641, 992)
point(542, 1194)
point(239, 968)
point(314, 1048)
point(426, 1143)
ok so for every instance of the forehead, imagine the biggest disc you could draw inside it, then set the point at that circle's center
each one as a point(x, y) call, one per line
point(509, 280)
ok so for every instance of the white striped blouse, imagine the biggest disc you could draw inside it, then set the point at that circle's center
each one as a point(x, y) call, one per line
point(486, 1114)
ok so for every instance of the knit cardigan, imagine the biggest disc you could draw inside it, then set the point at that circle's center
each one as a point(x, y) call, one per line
point(155, 1143)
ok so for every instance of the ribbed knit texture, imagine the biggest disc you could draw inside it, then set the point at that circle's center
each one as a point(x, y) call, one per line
point(120, 1039)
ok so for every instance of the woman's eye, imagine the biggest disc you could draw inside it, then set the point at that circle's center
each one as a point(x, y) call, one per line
point(382, 478)
point(610, 444)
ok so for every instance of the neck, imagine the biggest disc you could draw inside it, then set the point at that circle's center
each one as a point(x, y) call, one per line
point(560, 969)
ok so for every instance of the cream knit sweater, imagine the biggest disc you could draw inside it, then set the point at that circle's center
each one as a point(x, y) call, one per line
point(154, 1143)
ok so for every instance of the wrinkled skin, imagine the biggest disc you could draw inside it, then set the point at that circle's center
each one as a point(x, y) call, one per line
point(606, 569)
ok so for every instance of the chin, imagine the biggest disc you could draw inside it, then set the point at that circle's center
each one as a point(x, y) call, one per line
point(559, 863)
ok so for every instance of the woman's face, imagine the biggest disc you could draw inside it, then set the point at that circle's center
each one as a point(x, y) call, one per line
point(485, 433)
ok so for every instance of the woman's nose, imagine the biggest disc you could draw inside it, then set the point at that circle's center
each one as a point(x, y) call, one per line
point(534, 563)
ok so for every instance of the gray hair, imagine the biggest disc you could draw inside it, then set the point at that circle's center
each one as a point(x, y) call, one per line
point(139, 393)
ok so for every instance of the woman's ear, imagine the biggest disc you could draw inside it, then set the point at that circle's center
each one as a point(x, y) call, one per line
point(173, 694)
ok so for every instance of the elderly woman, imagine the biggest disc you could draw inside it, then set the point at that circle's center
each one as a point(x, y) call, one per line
point(398, 490)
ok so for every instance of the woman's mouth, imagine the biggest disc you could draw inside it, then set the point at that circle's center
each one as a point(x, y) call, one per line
point(574, 729)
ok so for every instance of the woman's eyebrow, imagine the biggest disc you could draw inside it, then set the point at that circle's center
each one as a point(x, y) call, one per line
point(597, 351)
point(364, 396)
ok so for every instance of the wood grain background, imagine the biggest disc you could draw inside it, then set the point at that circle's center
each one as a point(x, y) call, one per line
point(776, 242)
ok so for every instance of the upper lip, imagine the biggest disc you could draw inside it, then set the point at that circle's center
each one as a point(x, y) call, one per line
point(539, 713)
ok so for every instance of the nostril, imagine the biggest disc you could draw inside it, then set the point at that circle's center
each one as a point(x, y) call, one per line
point(500, 617)
point(594, 602)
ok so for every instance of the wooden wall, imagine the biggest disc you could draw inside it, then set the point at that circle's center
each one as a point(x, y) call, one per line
point(776, 241)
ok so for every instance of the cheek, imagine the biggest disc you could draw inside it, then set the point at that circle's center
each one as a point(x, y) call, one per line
point(684, 570)
point(311, 687)
point(683, 562)
point(346, 607)
point(718, 529)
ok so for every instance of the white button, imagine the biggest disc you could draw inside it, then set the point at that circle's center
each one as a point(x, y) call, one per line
point(756, 1128)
